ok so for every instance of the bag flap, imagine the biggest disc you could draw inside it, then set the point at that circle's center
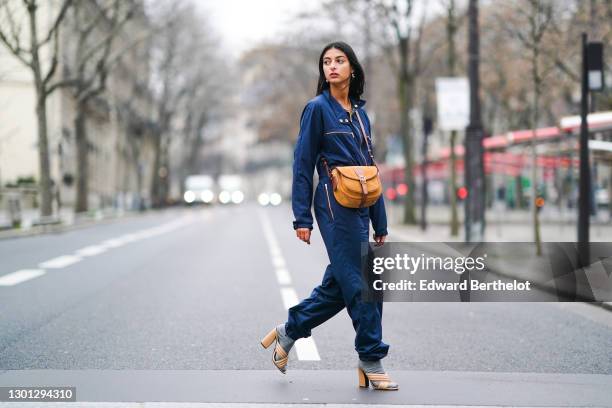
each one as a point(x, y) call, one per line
point(369, 172)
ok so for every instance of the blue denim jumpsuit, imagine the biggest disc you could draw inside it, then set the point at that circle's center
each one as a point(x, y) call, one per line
point(327, 131)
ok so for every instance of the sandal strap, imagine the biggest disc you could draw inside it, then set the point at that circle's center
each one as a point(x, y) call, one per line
point(382, 385)
point(378, 377)
point(282, 361)
point(280, 351)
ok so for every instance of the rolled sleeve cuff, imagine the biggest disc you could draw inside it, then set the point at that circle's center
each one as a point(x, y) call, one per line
point(297, 225)
point(380, 233)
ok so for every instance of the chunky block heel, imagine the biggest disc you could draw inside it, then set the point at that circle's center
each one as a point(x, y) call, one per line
point(379, 381)
point(363, 380)
point(269, 339)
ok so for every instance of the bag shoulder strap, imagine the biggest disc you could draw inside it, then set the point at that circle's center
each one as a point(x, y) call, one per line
point(363, 132)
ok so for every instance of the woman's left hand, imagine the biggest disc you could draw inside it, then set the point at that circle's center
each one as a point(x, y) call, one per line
point(379, 240)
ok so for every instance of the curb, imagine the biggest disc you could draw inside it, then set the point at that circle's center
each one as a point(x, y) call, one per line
point(83, 223)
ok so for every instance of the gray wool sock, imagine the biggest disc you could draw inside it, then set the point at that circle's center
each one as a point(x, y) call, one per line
point(285, 341)
point(376, 367)
point(371, 366)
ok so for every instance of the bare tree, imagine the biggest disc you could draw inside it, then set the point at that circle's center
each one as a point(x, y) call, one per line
point(12, 16)
point(95, 24)
point(451, 34)
point(408, 36)
point(171, 54)
point(533, 19)
point(208, 89)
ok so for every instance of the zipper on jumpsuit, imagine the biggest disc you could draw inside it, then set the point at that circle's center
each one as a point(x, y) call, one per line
point(360, 152)
point(341, 132)
point(328, 202)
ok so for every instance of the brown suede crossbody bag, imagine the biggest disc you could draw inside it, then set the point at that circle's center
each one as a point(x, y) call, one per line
point(356, 186)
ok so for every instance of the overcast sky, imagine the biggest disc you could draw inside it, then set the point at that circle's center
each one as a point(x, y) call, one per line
point(242, 24)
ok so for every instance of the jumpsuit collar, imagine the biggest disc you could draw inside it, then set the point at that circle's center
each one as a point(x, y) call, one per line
point(338, 109)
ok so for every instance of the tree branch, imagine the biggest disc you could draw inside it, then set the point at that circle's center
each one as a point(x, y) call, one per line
point(58, 20)
point(54, 59)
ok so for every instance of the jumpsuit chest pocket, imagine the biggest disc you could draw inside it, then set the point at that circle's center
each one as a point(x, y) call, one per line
point(340, 128)
point(340, 131)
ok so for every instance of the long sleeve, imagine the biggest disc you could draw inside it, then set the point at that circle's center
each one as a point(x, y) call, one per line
point(304, 161)
point(378, 215)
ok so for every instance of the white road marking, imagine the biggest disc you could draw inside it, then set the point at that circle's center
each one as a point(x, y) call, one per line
point(113, 243)
point(129, 238)
point(306, 348)
point(20, 276)
point(290, 297)
point(278, 262)
point(59, 262)
point(282, 275)
point(91, 250)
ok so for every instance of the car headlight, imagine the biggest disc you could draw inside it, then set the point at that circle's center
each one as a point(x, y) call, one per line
point(207, 196)
point(237, 197)
point(224, 197)
point(275, 199)
point(189, 196)
point(263, 199)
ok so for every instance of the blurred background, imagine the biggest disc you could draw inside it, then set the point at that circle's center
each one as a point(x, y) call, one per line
point(113, 105)
point(146, 152)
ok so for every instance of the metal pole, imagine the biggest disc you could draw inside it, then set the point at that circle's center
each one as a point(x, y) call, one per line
point(424, 197)
point(585, 173)
point(473, 158)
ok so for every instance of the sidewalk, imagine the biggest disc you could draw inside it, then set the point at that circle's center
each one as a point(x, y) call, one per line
point(527, 266)
point(499, 214)
point(67, 221)
point(125, 388)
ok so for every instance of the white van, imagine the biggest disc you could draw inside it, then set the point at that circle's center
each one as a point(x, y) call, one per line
point(199, 188)
point(231, 189)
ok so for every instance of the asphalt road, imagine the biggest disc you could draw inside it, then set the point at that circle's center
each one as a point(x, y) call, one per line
point(196, 289)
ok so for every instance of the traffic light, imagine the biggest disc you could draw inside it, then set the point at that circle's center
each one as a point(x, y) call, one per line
point(462, 193)
point(539, 202)
point(402, 189)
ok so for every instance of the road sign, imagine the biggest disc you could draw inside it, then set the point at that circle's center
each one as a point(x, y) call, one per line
point(453, 103)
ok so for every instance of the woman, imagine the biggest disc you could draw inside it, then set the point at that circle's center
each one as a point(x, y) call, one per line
point(331, 135)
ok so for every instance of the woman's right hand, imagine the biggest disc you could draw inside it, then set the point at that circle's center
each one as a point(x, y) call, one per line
point(303, 234)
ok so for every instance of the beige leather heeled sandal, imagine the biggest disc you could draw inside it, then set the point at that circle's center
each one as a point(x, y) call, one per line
point(281, 363)
point(380, 381)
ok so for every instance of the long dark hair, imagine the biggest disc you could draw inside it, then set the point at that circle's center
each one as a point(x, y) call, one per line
point(356, 84)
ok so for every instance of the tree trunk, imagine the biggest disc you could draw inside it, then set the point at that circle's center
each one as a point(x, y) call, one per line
point(451, 30)
point(80, 132)
point(534, 156)
point(41, 115)
point(43, 155)
point(409, 204)
point(474, 220)
point(453, 186)
point(406, 97)
point(155, 179)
